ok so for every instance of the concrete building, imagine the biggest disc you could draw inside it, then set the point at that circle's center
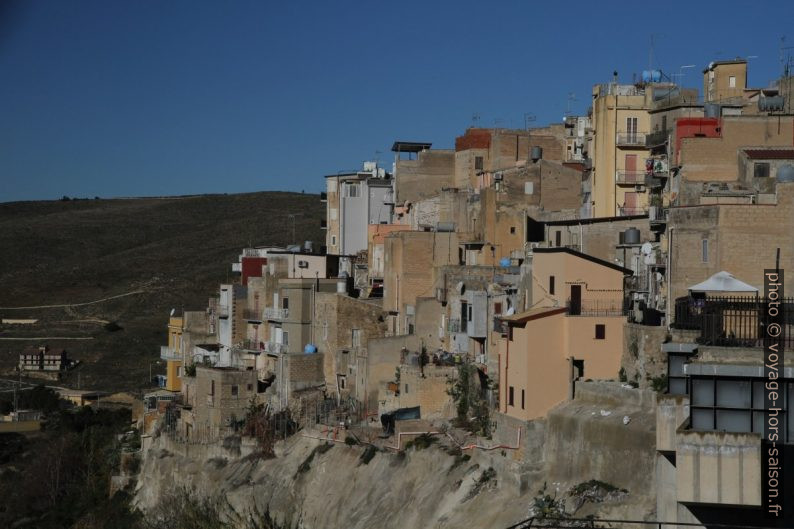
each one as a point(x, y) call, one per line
point(421, 172)
point(45, 360)
point(410, 262)
point(355, 200)
point(573, 331)
point(724, 81)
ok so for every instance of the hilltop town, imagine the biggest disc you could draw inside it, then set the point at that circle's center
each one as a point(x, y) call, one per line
point(560, 323)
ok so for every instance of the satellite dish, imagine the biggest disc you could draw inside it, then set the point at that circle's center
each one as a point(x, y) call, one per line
point(646, 248)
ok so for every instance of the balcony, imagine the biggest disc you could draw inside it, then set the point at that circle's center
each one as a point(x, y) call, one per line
point(253, 315)
point(631, 139)
point(630, 178)
point(274, 348)
point(253, 346)
point(731, 321)
point(169, 354)
point(272, 313)
point(657, 215)
point(596, 307)
point(655, 139)
point(631, 211)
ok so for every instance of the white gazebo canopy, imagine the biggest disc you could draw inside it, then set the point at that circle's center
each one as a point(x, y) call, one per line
point(722, 282)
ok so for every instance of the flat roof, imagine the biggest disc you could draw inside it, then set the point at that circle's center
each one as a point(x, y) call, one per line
point(410, 146)
point(586, 257)
point(770, 154)
point(534, 314)
point(594, 220)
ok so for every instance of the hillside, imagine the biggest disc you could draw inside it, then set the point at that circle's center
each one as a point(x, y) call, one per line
point(155, 253)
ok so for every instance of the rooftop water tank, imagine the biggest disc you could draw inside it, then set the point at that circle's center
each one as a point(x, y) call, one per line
point(309, 349)
point(632, 236)
point(785, 173)
point(651, 76)
point(770, 103)
point(711, 110)
point(504, 262)
point(536, 153)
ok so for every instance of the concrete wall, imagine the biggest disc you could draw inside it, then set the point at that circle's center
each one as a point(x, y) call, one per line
point(428, 390)
point(383, 357)
point(598, 239)
point(643, 358)
point(213, 410)
point(425, 176)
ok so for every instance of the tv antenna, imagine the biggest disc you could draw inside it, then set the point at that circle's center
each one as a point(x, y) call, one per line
point(571, 99)
point(529, 118)
point(475, 119)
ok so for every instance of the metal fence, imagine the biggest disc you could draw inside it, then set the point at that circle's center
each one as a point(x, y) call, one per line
point(566, 523)
point(597, 307)
point(731, 321)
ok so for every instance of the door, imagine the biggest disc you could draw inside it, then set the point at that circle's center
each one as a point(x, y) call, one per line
point(630, 172)
point(631, 203)
point(576, 300)
point(631, 130)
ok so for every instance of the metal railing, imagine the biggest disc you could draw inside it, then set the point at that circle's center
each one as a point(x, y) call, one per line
point(596, 307)
point(275, 348)
point(631, 139)
point(255, 346)
point(169, 353)
point(630, 177)
point(656, 138)
point(453, 325)
point(548, 522)
point(731, 321)
point(273, 313)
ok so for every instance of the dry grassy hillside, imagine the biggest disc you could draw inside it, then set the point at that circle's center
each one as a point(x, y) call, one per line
point(163, 252)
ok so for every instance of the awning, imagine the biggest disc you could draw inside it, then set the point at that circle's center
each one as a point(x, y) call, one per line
point(722, 282)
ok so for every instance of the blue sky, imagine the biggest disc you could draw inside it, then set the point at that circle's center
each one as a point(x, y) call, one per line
point(162, 97)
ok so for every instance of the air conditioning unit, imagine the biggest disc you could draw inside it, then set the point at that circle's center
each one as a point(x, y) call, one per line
point(303, 264)
point(497, 176)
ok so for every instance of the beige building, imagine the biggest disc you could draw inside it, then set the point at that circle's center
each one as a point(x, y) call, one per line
point(421, 172)
point(573, 331)
point(725, 81)
point(410, 261)
point(621, 123)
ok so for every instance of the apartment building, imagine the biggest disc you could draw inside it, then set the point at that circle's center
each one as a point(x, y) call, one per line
point(573, 331)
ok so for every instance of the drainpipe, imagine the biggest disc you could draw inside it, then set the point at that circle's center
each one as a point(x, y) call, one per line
point(669, 273)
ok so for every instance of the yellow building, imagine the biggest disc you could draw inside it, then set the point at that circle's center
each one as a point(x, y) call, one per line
point(620, 122)
point(573, 331)
point(172, 353)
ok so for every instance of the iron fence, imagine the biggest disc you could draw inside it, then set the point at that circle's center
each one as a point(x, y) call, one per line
point(732, 321)
point(566, 523)
point(596, 307)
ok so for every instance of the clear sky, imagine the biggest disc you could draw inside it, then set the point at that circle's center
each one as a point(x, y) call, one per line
point(160, 97)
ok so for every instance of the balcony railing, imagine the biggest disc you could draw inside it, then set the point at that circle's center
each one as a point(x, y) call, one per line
point(631, 212)
point(253, 314)
point(272, 313)
point(633, 178)
point(169, 353)
point(731, 321)
point(453, 325)
point(656, 138)
point(253, 346)
point(596, 307)
point(275, 348)
point(631, 139)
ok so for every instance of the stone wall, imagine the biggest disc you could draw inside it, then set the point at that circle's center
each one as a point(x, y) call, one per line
point(643, 359)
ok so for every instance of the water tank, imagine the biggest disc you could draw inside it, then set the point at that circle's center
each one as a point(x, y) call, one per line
point(785, 173)
point(631, 236)
point(504, 262)
point(770, 103)
point(537, 153)
point(651, 76)
point(309, 349)
point(341, 286)
point(711, 110)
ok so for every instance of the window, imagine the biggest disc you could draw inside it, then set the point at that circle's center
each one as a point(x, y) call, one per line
point(212, 387)
point(285, 338)
point(356, 338)
point(478, 163)
point(522, 399)
point(352, 190)
point(333, 240)
point(551, 285)
point(249, 387)
point(406, 389)
point(631, 130)
point(761, 170)
point(285, 303)
point(342, 382)
point(497, 307)
point(510, 396)
point(705, 250)
point(600, 331)
point(512, 229)
point(235, 391)
point(558, 238)
point(732, 81)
